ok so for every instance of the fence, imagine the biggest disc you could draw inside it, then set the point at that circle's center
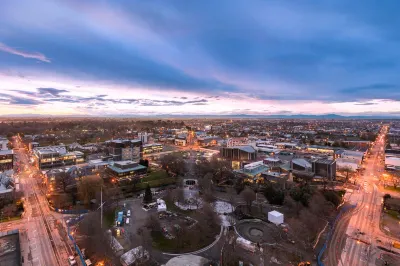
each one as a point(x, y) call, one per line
point(324, 247)
point(76, 247)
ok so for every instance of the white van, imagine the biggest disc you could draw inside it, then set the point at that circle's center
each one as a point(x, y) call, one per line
point(128, 213)
point(127, 221)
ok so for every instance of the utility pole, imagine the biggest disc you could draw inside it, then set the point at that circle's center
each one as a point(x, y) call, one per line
point(101, 206)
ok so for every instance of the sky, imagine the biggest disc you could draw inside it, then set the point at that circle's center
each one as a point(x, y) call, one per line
point(224, 57)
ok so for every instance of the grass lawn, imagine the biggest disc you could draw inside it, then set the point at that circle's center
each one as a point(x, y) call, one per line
point(155, 175)
point(393, 214)
point(160, 242)
point(173, 208)
point(15, 218)
point(397, 189)
point(156, 183)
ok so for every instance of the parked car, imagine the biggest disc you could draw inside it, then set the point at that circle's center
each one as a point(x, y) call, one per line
point(71, 260)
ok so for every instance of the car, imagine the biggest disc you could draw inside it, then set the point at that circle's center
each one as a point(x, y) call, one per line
point(127, 221)
point(128, 213)
point(71, 260)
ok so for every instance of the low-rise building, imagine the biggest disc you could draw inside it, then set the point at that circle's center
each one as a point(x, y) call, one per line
point(6, 160)
point(56, 156)
point(3, 143)
point(126, 170)
point(10, 249)
point(152, 148)
point(247, 153)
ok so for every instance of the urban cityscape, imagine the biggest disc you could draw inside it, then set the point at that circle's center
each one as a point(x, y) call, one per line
point(210, 133)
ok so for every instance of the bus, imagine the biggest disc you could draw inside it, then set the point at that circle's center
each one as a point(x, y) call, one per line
point(120, 219)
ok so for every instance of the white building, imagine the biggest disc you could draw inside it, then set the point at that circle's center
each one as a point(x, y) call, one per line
point(3, 144)
point(275, 217)
point(161, 206)
point(144, 137)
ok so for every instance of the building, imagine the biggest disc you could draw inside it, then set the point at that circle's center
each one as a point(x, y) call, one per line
point(208, 141)
point(3, 143)
point(188, 260)
point(324, 168)
point(125, 149)
point(300, 164)
point(61, 180)
point(392, 159)
point(253, 170)
point(152, 148)
point(315, 168)
point(135, 256)
point(273, 162)
point(232, 142)
point(144, 137)
point(126, 170)
point(56, 156)
point(239, 153)
point(322, 149)
point(181, 140)
point(8, 185)
point(350, 156)
point(6, 160)
point(10, 249)
point(33, 145)
point(275, 177)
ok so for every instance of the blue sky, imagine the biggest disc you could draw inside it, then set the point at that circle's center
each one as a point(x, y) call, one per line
point(199, 57)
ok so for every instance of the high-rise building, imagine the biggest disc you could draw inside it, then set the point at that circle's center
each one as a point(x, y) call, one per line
point(125, 149)
point(3, 143)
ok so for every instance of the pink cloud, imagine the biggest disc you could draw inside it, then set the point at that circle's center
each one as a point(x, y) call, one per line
point(33, 55)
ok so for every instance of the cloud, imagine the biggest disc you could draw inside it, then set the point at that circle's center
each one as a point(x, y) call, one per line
point(270, 52)
point(15, 100)
point(33, 55)
point(365, 103)
point(51, 91)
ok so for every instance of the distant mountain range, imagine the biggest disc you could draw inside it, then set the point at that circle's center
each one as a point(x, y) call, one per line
point(299, 116)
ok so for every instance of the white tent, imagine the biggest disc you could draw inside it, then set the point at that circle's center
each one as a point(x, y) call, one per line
point(161, 206)
point(275, 217)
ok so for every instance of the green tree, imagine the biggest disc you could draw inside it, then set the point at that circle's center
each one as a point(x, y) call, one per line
point(148, 197)
point(274, 195)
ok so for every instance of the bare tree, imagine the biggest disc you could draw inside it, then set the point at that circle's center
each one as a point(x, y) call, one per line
point(231, 192)
point(248, 196)
point(347, 170)
point(145, 240)
point(153, 223)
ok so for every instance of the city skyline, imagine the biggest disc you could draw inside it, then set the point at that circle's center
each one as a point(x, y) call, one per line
point(152, 58)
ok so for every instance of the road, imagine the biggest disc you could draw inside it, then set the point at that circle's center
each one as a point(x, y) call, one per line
point(357, 234)
point(41, 241)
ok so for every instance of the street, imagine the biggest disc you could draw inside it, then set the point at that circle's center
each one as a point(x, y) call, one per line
point(41, 242)
point(357, 235)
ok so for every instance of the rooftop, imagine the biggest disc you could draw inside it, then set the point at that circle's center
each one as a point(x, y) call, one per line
point(187, 260)
point(6, 152)
point(137, 167)
point(10, 252)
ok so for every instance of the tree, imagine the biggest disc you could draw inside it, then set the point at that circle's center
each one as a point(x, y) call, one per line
point(9, 210)
point(386, 197)
point(144, 162)
point(249, 196)
point(239, 185)
point(94, 238)
point(347, 170)
point(153, 223)
point(301, 194)
point(273, 195)
point(148, 197)
point(88, 187)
